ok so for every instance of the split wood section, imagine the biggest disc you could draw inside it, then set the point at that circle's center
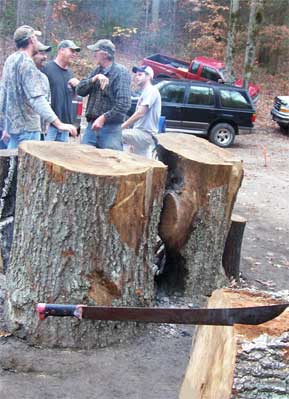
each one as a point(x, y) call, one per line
point(232, 251)
point(243, 362)
point(202, 185)
point(8, 182)
point(85, 229)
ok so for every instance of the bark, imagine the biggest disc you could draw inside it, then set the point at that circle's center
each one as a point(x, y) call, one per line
point(8, 178)
point(6, 238)
point(255, 20)
point(242, 361)
point(202, 184)
point(85, 228)
point(234, 10)
point(232, 251)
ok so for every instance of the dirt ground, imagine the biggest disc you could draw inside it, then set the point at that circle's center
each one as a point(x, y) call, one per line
point(153, 365)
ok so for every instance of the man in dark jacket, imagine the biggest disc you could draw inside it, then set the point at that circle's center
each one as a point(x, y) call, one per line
point(108, 88)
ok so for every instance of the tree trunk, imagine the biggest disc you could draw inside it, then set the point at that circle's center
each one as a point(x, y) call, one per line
point(232, 251)
point(242, 361)
point(146, 26)
point(24, 14)
point(85, 228)
point(234, 10)
point(8, 178)
point(155, 13)
point(47, 27)
point(202, 184)
point(253, 28)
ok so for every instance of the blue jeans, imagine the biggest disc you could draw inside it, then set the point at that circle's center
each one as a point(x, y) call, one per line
point(53, 134)
point(16, 139)
point(107, 137)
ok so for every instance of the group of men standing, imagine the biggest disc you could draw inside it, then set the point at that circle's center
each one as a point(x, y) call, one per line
point(35, 93)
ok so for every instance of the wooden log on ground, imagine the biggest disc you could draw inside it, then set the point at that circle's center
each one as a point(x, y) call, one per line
point(85, 228)
point(232, 251)
point(242, 361)
point(202, 184)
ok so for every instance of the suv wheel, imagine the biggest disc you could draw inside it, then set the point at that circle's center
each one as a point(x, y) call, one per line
point(284, 127)
point(222, 134)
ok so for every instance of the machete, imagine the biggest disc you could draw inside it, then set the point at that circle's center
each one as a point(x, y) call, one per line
point(218, 316)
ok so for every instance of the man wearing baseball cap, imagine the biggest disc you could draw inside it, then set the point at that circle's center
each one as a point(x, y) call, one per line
point(109, 98)
point(146, 116)
point(22, 98)
point(62, 86)
point(40, 59)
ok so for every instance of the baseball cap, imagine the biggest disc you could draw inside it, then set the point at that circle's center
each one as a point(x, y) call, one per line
point(144, 68)
point(25, 32)
point(104, 45)
point(68, 44)
point(43, 47)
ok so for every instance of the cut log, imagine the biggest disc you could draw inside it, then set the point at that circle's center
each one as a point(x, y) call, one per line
point(85, 228)
point(241, 361)
point(232, 251)
point(202, 184)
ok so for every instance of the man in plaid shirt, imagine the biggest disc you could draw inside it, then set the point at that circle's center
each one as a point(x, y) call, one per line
point(108, 88)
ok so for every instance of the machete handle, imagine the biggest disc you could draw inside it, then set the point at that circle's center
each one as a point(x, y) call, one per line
point(44, 310)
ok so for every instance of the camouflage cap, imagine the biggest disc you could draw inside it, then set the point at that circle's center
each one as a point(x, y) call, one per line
point(25, 32)
point(43, 47)
point(103, 45)
point(68, 44)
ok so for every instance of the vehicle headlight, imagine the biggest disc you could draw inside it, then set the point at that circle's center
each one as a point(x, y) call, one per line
point(283, 109)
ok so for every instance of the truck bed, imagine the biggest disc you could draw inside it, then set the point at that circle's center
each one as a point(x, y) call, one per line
point(168, 61)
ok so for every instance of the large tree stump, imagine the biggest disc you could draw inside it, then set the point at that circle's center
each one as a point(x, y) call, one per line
point(8, 179)
point(202, 184)
point(85, 228)
point(242, 361)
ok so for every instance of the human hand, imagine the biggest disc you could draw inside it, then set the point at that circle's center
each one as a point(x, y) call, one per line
point(103, 80)
point(5, 136)
point(98, 123)
point(68, 128)
point(73, 82)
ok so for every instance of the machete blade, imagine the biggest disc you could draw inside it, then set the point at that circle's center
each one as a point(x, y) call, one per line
point(219, 316)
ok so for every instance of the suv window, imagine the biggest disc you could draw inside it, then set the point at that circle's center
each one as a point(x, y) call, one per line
point(201, 95)
point(210, 73)
point(233, 99)
point(195, 67)
point(173, 93)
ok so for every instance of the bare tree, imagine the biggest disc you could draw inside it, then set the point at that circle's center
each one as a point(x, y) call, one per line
point(155, 12)
point(47, 27)
point(255, 20)
point(24, 14)
point(234, 10)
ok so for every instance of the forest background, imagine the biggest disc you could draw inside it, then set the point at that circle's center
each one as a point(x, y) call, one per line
point(181, 28)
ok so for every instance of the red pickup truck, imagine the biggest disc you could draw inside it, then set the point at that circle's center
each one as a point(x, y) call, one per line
point(200, 68)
